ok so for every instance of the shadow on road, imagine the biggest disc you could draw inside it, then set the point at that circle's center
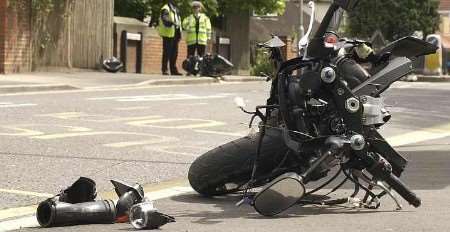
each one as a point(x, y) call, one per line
point(427, 170)
point(219, 209)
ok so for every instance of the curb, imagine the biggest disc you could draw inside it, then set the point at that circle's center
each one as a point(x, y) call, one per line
point(242, 78)
point(184, 81)
point(5, 89)
point(433, 78)
point(34, 88)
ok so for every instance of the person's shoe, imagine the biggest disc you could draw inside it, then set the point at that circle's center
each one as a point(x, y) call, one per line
point(176, 74)
point(165, 73)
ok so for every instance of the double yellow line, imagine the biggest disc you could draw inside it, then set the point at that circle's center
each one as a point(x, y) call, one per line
point(427, 134)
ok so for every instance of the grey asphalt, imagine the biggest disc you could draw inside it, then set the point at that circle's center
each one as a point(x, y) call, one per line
point(46, 145)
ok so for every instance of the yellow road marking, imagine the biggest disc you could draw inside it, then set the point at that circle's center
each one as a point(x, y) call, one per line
point(407, 138)
point(167, 149)
point(151, 107)
point(69, 135)
point(23, 132)
point(149, 189)
point(158, 139)
point(427, 134)
point(133, 108)
point(154, 140)
point(91, 117)
point(16, 212)
point(201, 123)
point(26, 193)
point(239, 134)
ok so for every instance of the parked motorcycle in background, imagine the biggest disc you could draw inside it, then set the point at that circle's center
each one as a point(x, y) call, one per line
point(207, 66)
point(323, 113)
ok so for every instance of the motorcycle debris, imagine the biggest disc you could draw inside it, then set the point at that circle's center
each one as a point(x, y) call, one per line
point(146, 216)
point(76, 205)
point(82, 190)
point(129, 195)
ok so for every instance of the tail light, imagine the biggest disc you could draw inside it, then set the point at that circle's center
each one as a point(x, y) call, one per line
point(330, 40)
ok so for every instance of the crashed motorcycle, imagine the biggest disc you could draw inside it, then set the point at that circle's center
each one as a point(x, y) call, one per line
point(207, 66)
point(323, 114)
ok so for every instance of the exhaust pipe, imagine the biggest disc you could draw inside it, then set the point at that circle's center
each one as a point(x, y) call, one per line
point(52, 213)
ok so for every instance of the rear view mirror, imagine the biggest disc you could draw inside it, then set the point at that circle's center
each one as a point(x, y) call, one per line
point(279, 195)
point(347, 5)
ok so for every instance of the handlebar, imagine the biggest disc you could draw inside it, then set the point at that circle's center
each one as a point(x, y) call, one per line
point(403, 190)
point(382, 170)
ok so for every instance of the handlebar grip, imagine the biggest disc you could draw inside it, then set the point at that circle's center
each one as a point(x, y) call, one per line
point(403, 190)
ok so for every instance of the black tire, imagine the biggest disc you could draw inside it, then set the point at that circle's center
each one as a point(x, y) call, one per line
point(226, 168)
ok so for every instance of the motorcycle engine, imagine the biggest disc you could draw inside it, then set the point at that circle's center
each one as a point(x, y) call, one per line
point(312, 107)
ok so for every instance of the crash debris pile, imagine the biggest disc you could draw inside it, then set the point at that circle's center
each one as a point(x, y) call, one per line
point(76, 205)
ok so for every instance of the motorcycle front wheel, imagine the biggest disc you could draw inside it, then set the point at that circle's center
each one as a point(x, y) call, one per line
point(227, 168)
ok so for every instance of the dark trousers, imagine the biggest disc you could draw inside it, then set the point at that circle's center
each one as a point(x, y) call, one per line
point(196, 47)
point(170, 53)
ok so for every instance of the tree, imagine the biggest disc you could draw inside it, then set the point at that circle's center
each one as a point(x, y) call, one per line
point(140, 9)
point(394, 18)
point(236, 12)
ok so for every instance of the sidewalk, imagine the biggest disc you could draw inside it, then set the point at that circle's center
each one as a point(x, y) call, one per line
point(46, 81)
point(423, 78)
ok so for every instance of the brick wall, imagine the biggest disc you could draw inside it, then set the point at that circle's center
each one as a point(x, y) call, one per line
point(291, 53)
point(15, 38)
point(2, 34)
point(152, 55)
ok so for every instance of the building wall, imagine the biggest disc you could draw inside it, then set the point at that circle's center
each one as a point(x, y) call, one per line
point(152, 55)
point(2, 34)
point(15, 36)
point(445, 24)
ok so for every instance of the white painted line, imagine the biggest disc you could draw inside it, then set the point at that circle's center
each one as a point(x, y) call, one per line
point(26, 193)
point(30, 222)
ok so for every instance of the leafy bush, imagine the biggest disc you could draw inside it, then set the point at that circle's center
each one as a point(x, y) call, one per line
point(262, 65)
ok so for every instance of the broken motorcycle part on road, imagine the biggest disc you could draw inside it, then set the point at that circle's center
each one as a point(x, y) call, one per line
point(146, 216)
point(76, 205)
point(129, 195)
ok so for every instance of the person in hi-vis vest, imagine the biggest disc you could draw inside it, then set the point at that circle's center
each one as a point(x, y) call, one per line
point(198, 30)
point(169, 28)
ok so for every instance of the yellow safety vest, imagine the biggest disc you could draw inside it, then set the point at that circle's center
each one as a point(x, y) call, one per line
point(204, 32)
point(168, 31)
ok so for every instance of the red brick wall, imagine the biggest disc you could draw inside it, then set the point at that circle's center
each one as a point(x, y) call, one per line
point(2, 34)
point(291, 53)
point(15, 39)
point(152, 56)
